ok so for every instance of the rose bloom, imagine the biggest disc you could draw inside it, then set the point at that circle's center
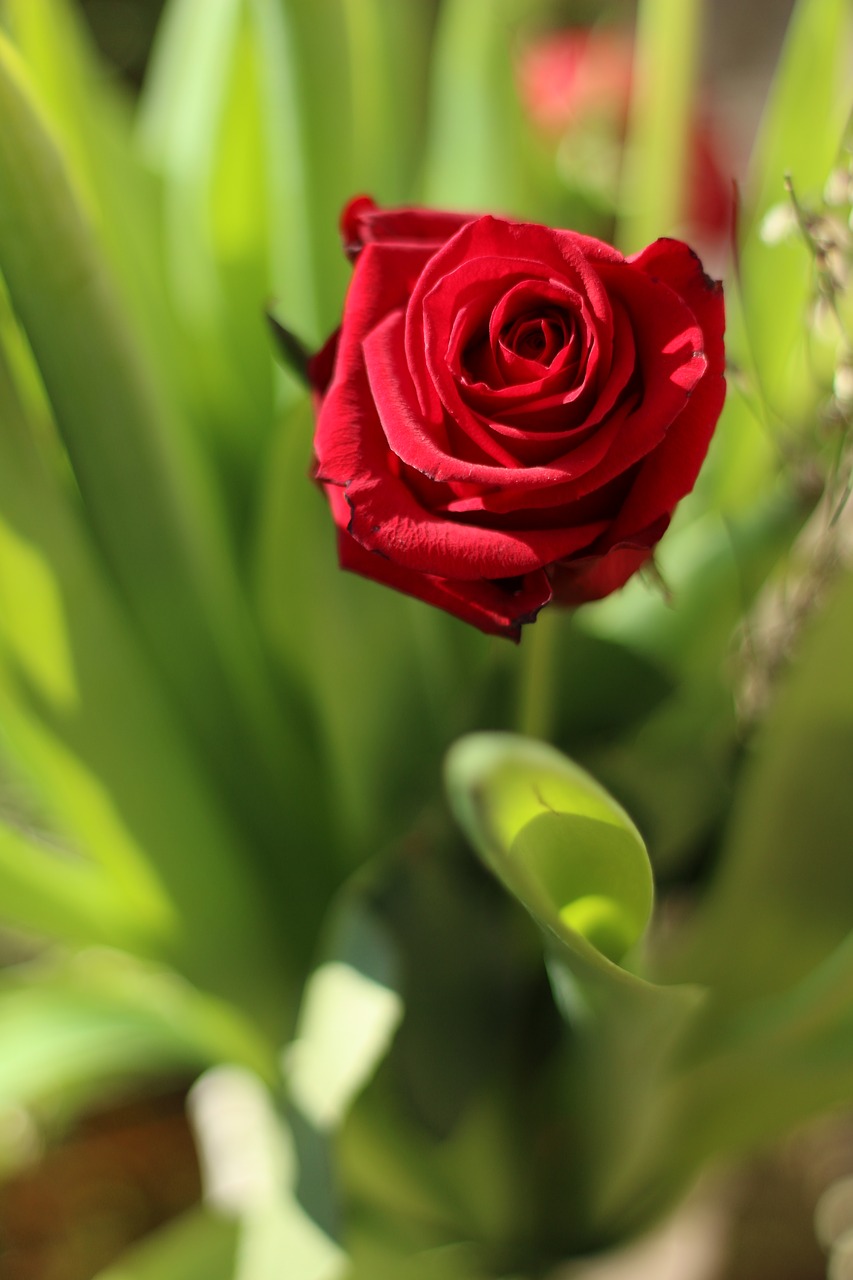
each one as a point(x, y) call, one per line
point(573, 79)
point(508, 413)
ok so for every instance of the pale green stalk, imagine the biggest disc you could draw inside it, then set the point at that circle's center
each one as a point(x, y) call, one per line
point(665, 76)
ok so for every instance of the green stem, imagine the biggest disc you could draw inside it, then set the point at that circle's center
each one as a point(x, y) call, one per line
point(537, 679)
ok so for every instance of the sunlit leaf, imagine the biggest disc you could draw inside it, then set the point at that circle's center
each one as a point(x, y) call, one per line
point(50, 892)
point(563, 847)
point(350, 1010)
point(88, 112)
point(147, 492)
point(558, 842)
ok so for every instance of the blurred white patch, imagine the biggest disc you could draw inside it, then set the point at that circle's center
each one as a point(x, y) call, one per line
point(346, 1024)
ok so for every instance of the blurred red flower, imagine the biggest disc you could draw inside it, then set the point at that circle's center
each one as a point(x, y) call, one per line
point(576, 79)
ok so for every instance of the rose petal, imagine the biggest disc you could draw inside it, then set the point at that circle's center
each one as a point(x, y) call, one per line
point(496, 609)
point(593, 577)
point(363, 223)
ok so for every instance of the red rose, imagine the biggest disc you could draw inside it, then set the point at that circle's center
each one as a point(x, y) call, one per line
point(509, 413)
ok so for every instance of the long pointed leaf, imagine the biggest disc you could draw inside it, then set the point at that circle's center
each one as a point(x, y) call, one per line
point(84, 714)
point(144, 486)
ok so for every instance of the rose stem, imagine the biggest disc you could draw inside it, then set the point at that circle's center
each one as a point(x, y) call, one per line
point(537, 692)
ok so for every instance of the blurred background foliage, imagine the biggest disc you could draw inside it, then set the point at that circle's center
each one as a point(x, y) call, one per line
point(228, 874)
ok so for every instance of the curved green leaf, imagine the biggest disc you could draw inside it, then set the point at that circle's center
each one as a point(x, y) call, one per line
point(557, 841)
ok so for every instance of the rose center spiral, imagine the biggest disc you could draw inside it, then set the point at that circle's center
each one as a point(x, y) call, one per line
point(539, 338)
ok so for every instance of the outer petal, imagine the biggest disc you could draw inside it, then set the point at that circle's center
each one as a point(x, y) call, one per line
point(669, 473)
point(678, 266)
point(594, 577)
point(498, 608)
point(363, 223)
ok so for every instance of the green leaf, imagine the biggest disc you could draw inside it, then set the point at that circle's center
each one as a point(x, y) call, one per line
point(372, 1261)
point(85, 717)
point(474, 158)
point(73, 1029)
point(389, 46)
point(197, 1246)
point(150, 502)
point(203, 126)
point(770, 1066)
point(561, 845)
point(557, 841)
point(49, 892)
point(91, 118)
point(782, 895)
point(146, 493)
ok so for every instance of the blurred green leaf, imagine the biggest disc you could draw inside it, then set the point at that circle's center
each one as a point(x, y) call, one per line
point(652, 197)
point(84, 715)
point(372, 1261)
point(140, 484)
point(389, 48)
point(203, 126)
point(150, 501)
point(783, 892)
point(197, 1246)
point(93, 121)
point(762, 1069)
point(73, 1031)
point(475, 156)
point(52, 893)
